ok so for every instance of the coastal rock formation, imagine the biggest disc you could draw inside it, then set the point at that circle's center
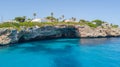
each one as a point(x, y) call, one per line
point(11, 35)
point(8, 36)
point(40, 33)
point(87, 31)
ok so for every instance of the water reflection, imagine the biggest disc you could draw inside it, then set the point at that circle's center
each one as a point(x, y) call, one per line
point(94, 41)
point(65, 45)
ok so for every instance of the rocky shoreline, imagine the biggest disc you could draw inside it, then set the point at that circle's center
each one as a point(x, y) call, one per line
point(12, 35)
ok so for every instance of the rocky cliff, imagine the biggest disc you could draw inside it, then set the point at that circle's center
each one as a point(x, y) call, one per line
point(11, 35)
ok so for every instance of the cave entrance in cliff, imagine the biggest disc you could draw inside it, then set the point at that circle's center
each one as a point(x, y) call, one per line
point(22, 39)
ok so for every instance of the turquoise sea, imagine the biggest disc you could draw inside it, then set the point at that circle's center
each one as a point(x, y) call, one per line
point(90, 52)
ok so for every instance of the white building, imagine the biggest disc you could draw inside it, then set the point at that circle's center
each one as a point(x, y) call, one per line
point(40, 20)
point(70, 20)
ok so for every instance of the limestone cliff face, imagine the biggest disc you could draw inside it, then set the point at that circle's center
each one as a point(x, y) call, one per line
point(87, 31)
point(9, 36)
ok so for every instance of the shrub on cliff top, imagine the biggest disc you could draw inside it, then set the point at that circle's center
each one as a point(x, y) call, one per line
point(91, 24)
point(31, 24)
point(20, 19)
point(98, 22)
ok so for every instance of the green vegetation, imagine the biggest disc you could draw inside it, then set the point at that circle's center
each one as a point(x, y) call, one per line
point(82, 21)
point(91, 24)
point(20, 19)
point(114, 26)
point(51, 21)
point(31, 24)
point(98, 22)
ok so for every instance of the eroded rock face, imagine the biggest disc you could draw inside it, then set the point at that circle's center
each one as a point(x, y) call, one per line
point(87, 31)
point(8, 36)
point(38, 33)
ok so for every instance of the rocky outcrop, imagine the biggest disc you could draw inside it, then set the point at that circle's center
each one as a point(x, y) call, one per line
point(11, 35)
point(8, 36)
point(87, 31)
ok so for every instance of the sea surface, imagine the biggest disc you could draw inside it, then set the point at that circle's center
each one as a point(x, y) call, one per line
point(90, 52)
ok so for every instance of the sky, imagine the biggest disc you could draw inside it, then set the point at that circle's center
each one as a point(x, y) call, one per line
point(106, 10)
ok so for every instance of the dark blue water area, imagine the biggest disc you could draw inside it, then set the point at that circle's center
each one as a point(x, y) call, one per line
point(90, 52)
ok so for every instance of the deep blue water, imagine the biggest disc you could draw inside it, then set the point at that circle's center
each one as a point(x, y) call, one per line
point(97, 52)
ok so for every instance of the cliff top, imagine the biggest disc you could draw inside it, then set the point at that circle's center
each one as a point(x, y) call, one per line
point(92, 24)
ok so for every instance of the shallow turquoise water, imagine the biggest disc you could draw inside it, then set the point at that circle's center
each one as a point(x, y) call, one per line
point(97, 52)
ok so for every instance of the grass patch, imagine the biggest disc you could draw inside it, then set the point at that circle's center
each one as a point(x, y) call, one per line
point(31, 24)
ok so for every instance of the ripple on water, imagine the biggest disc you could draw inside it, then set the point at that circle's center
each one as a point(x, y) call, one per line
point(95, 52)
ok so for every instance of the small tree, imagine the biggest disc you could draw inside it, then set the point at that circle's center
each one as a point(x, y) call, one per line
point(114, 26)
point(34, 14)
point(52, 16)
point(57, 20)
point(73, 19)
point(20, 19)
point(29, 20)
point(98, 22)
point(82, 21)
point(63, 17)
point(60, 18)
